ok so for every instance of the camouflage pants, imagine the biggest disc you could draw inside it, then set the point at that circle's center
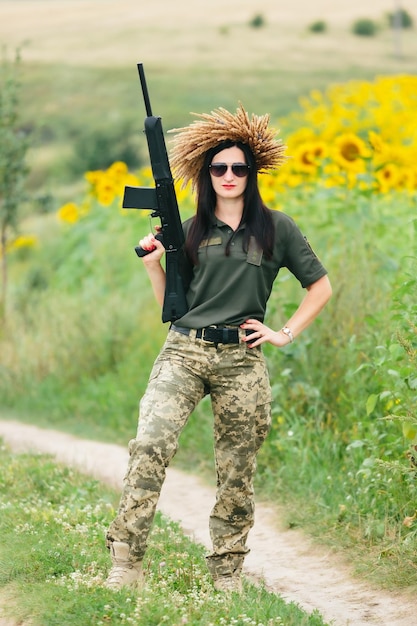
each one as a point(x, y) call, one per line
point(237, 380)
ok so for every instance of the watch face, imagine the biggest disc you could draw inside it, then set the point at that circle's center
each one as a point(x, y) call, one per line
point(288, 332)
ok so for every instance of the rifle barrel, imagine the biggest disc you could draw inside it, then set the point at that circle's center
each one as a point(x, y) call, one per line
point(144, 90)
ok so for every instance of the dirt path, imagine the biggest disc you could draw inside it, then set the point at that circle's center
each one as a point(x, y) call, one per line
point(288, 562)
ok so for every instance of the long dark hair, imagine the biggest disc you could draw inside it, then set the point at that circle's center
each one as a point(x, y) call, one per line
point(255, 214)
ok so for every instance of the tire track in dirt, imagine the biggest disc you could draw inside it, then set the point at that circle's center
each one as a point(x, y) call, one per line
point(289, 563)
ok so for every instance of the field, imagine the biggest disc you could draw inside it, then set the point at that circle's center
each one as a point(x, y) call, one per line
point(79, 66)
point(196, 34)
point(82, 328)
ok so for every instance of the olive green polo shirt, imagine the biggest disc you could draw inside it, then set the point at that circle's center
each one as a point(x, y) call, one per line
point(231, 289)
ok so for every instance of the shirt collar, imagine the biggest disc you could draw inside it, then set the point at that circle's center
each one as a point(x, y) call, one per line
point(219, 224)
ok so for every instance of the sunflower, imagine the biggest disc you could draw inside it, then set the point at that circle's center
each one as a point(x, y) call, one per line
point(23, 241)
point(69, 213)
point(388, 177)
point(350, 152)
point(117, 169)
point(376, 141)
point(307, 156)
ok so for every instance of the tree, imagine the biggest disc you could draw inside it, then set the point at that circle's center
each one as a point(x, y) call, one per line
point(13, 170)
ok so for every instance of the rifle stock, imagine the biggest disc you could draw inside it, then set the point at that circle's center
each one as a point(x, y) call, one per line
point(162, 201)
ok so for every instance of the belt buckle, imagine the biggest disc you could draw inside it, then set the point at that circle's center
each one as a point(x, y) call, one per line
point(221, 334)
point(207, 331)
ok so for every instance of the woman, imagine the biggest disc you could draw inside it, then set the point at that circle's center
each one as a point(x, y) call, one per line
point(235, 247)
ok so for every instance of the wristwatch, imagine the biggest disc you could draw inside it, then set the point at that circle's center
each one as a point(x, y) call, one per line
point(287, 331)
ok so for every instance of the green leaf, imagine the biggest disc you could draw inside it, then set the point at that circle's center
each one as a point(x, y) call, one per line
point(371, 403)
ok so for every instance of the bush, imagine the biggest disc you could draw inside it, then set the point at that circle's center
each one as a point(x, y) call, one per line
point(364, 27)
point(257, 21)
point(318, 26)
point(400, 18)
point(99, 148)
point(13, 169)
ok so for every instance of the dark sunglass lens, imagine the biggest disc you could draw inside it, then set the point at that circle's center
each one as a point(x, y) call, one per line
point(240, 170)
point(218, 169)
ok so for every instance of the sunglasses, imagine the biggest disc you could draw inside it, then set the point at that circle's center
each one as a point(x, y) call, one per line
point(239, 169)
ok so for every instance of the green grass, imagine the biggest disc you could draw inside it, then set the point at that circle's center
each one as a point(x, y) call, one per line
point(53, 561)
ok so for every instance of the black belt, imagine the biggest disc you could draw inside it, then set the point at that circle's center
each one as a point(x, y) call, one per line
point(213, 334)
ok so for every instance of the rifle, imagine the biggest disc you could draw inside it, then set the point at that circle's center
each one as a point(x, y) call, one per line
point(163, 203)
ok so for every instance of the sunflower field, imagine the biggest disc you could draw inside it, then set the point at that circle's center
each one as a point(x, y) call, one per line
point(359, 135)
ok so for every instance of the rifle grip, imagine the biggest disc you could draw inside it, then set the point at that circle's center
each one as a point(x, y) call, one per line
point(141, 252)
